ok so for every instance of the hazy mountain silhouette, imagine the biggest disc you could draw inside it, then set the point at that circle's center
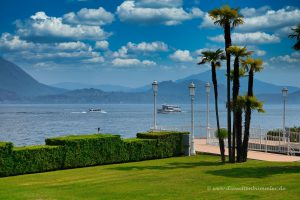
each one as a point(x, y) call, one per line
point(15, 80)
point(17, 86)
point(260, 87)
point(104, 87)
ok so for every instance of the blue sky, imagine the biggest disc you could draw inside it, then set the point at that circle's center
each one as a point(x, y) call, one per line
point(133, 42)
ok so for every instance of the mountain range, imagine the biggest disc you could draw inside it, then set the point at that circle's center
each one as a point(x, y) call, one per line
point(16, 86)
point(17, 82)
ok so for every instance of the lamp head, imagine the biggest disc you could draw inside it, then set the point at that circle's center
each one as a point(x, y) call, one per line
point(207, 87)
point(154, 86)
point(192, 89)
point(284, 92)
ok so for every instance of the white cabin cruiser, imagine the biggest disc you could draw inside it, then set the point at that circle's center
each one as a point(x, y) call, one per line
point(169, 109)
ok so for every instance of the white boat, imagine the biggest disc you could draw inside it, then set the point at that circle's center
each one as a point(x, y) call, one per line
point(169, 109)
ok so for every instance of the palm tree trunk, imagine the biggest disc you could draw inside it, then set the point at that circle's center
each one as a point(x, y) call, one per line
point(235, 93)
point(239, 143)
point(227, 37)
point(215, 83)
point(248, 116)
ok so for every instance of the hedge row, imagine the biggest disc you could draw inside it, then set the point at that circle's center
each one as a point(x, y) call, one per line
point(87, 150)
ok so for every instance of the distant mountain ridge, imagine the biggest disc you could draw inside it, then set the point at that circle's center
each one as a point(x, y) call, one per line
point(15, 80)
point(16, 86)
point(104, 87)
point(260, 87)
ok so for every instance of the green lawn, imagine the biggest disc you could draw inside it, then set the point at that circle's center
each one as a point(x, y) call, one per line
point(189, 178)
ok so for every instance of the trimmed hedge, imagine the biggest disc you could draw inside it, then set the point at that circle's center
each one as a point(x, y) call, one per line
point(32, 159)
point(139, 149)
point(87, 150)
point(169, 143)
point(6, 161)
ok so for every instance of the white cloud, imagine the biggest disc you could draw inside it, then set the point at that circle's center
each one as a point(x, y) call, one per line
point(19, 50)
point(98, 59)
point(260, 52)
point(272, 19)
point(130, 11)
point(249, 38)
point(13, 42)
point(250, 12)
point(181, 56)
point(262, 18)
point(286, 59)
point(42, 26)
point(143, 47)
point(122, 52)
point(94, 17)
point(207, 22)
point(285, 31)
point(72, 46)
point(159, 4)
point(148, 47)
point(101, 45)
point(10, 42)
point(148, 62)
point(121, 62)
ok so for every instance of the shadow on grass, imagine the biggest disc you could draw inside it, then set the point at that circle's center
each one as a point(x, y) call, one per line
point(167, 166)
point(255, 172)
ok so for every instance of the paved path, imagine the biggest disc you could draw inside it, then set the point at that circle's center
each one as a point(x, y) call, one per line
point(201, 146)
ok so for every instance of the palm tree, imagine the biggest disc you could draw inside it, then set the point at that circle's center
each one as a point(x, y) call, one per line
point(251, 65)
point(227, 18)
point(238, 52)
point(214, 57)
point(296, 35)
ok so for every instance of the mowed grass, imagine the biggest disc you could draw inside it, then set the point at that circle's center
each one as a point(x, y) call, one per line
point(197, 177)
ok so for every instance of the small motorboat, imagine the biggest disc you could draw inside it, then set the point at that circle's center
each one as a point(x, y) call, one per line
point(169, 109)
point(95, 110)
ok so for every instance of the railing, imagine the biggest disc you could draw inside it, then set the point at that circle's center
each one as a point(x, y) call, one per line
point(279, 141)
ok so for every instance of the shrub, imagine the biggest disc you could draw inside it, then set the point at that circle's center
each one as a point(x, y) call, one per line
point(223, 133)
point(277, 134)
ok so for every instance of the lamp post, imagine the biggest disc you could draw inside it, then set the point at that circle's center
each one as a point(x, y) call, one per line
point(192, 94)
point(207, 90)
point(154, 88)
point(284, 95)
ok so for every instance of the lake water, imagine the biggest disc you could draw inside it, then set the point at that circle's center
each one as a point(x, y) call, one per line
point(31, 124)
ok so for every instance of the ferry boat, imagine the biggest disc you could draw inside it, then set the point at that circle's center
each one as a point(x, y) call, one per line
point(169, 109)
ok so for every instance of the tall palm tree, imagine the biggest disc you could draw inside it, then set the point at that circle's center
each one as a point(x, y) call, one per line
point(238, 52)
point(227, 18)
point(296, 34)
point(214, 57)
point(251, 65)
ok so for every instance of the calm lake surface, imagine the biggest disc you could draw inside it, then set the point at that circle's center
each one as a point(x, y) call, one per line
point(31, 124)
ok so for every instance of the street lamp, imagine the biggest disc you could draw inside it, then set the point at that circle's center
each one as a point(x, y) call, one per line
point(192, 94)
point(207, 90)
point(154, 88)
point(284, 95)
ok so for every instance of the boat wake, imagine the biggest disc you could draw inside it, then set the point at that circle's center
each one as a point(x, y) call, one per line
point(83, 112)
